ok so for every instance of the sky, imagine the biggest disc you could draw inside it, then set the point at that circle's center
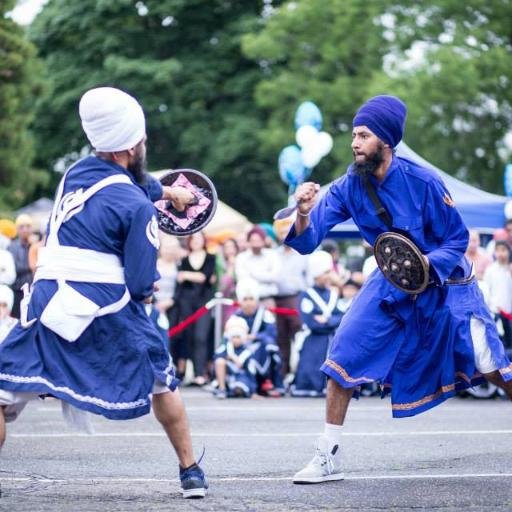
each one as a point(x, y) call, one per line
point(26, 10)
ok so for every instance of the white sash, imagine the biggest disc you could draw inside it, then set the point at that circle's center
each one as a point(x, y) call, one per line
point(73, 202)
point(75, 264)
point(258, 319)
point(69, 313)
point(326, 308)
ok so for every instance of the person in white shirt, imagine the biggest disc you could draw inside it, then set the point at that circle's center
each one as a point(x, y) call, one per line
point(498, 281)
point(291, 282)
point(477, 255)
point(260, 264)
point(7, 267)
point(169, 256)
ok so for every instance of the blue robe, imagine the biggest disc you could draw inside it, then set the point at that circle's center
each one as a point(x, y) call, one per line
point(243, 378)
point(265, 350)
point(309, 379)
point(419, 349)
point(111, 368)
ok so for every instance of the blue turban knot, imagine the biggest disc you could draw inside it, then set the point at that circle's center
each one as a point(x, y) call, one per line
point(384, 116)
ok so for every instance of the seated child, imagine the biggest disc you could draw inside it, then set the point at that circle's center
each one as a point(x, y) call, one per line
point(7, 322)
point(319, 308)
point(234, 363)
point(262, 336)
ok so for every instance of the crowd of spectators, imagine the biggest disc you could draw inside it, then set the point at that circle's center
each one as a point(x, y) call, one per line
point(493, 268)
point(266, 322)
point(284, 306)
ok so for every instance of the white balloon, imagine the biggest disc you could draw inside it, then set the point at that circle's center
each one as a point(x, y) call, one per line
point(306, 135)
point(507, 211)
point(310, 156)
point(324, 143)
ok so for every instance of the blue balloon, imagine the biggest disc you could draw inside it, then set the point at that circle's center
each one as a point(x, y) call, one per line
point(307, 173)
point(308, 114)
point(291, 168)
point(507, 180)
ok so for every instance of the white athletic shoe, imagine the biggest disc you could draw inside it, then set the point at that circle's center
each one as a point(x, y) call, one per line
point(324, 467)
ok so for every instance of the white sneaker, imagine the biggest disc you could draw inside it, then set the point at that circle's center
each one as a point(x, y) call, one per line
point(324, 467)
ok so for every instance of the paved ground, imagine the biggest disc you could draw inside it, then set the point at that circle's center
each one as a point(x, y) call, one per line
point(457, 457)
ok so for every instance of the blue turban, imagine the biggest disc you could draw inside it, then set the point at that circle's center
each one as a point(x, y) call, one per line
point(384, 116)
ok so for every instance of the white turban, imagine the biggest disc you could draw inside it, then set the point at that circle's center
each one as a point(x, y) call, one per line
point(6, 296)
point(247, 287)
point(112, 119)
point(236, 326)
point(319, 262)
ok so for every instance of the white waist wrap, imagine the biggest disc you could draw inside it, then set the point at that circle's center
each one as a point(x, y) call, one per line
point(80, 265)
point(69, 313)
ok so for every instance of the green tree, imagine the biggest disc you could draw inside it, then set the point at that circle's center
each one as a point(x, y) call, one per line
point(459, 92)
point(340, 52)
point(19, 87)
point(183, 61)
point(326, 52)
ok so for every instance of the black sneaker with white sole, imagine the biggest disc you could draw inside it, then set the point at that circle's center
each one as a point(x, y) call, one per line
point(193, 482)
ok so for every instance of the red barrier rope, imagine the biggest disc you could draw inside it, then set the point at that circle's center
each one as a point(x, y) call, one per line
point(284, 311)
point(508, 316)
point(204, 309)
point(279, 311)
point(189, 320)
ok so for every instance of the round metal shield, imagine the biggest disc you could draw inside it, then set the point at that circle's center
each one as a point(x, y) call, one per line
point(197, 215)
point(401, 262)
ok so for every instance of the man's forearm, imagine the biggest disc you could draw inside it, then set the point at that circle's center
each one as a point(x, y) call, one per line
point(301, 223)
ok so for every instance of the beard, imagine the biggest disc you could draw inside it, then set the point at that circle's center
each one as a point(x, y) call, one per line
point(138, 168)
point(372, 162)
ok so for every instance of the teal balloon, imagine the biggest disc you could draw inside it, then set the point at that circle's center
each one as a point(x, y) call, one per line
point(291, 168)
point(308, 114)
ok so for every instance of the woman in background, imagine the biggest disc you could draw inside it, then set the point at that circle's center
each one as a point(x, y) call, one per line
point(169, 256)
point(195, 278)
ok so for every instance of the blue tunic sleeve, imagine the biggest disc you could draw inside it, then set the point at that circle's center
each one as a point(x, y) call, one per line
point(140, 252)
point(335, 318)
point(267, 333)
point(154, 188)
point(447, 228)
point(329, 211)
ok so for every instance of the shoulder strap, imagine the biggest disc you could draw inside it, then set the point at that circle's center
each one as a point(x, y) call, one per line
point(382, 213)
point(258, 318)
point(327, 308)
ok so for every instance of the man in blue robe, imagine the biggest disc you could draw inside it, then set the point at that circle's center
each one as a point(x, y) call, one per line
point(320, 312)
point(422, 348)
point(84, 336)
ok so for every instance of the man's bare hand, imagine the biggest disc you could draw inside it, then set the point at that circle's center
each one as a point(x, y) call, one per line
point(180, 197)
point(306, 196)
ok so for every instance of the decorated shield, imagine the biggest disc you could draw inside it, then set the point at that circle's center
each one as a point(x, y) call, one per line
point(401, 262)
point(197, 214)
